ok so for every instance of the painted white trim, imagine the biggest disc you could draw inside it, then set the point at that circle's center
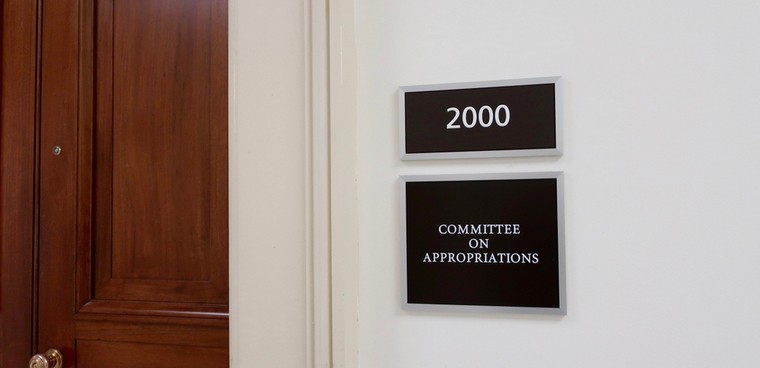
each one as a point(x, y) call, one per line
point(232, 177)
point(271, 209)
point(318, 213)
point(344, 235)
point(319, 198)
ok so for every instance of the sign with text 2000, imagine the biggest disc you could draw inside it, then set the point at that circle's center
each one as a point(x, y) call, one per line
point(475, 120)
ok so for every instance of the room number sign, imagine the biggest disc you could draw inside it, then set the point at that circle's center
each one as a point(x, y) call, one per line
point(478, 120)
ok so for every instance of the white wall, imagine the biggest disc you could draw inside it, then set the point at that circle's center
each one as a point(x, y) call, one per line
point(662, 139)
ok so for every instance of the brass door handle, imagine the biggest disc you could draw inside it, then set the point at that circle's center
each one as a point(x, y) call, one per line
point(51, 359)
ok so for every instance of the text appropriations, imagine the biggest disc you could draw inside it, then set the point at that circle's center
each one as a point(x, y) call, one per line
point(478, 251)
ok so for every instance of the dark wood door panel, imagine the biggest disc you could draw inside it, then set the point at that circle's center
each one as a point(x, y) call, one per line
point(161, 128)
point(159, 224)
point(17, 179)
point(153, 330)
point(130, 355)
point(57, 173)
point(133, 212)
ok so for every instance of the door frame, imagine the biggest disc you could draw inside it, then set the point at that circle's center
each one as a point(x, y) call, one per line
point(332, 250)
point(330, 247)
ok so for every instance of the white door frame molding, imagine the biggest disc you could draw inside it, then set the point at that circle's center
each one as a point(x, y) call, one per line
point(293, 227)
point(332, 246)
point(318, 211)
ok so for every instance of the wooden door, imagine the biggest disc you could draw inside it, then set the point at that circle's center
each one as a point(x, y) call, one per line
point(133, 183)
point(17, 168)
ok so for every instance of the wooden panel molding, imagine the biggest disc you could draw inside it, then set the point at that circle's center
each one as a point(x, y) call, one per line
point(122, 355)
point(153, 155)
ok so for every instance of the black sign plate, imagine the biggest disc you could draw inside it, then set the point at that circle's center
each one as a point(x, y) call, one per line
point(485, 119)
point(485, 241)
